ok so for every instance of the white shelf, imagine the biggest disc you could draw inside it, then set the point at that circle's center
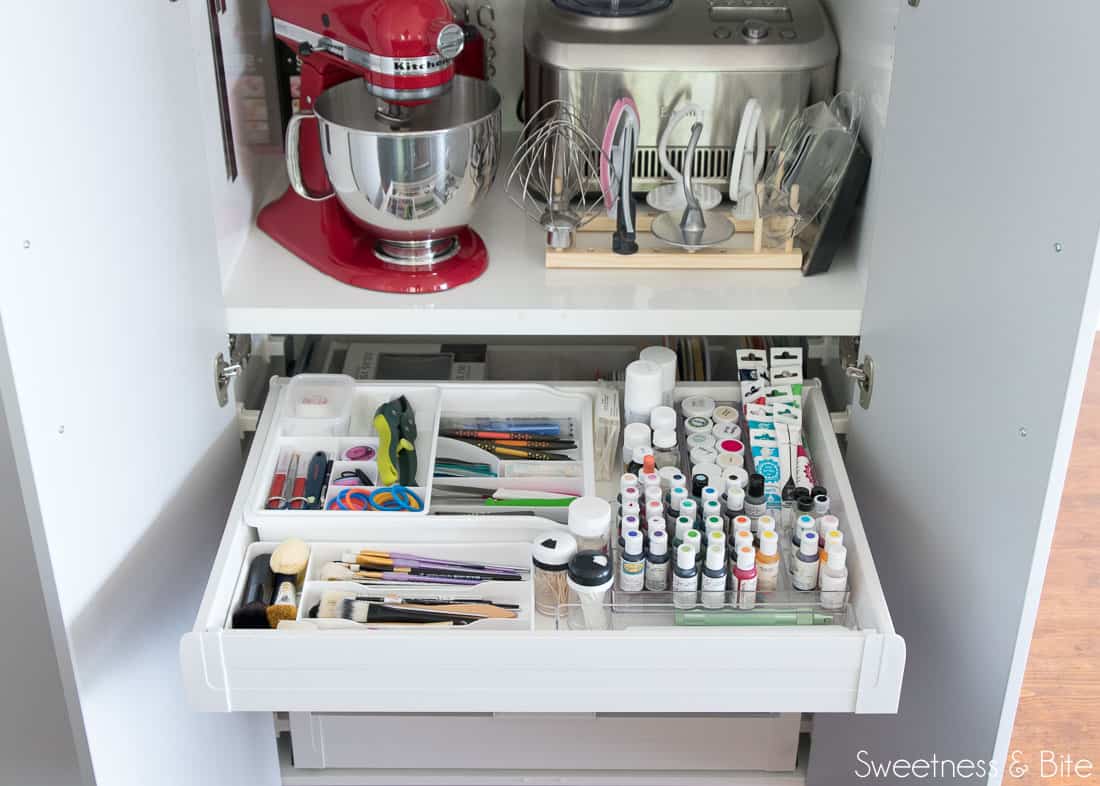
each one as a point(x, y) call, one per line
point(270, 291)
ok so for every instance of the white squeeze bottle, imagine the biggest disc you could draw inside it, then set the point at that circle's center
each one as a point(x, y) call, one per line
point(834, 578)
point(767, 562)
point(685, 579)
point(714, 572)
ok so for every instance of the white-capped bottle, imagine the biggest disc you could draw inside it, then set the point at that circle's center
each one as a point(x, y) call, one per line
point(802, 526)
point(626, 525)
point(746, 577)
point(627, 480)
point(741, 538)
point(663, 419)
point(635, 436)
point(676, 496)
point(826, 524)
point(690, 508)
point(735, 504)
point(656, 524)
point(628, 495)
point(763, 523)
point(712, 508)
point(713, 524)
point(684, 525)
point(669, 478)
point(694, 538)
point(715, 576)
point(632, 563)
point(685, 578)
point(628, 509)
point(834, 578)
point(665, 449)
point(741, 522)
point(805, 564)
point(657, 562)
point(654, 509)
point(833, 538)
point(711, 494)
point(767, 562)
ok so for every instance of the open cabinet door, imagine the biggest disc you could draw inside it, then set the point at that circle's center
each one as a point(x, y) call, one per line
point(112, 311)
point(980, 313)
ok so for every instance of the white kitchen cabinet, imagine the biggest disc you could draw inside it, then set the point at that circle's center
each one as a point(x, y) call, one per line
point(969, 279)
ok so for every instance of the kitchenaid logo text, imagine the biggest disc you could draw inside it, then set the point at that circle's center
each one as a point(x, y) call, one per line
point(1042, 765)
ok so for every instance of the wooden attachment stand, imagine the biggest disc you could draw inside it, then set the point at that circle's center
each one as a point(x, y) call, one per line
point(593, 250)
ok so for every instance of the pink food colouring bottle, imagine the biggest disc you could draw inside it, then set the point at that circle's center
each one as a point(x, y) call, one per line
point(744, 576)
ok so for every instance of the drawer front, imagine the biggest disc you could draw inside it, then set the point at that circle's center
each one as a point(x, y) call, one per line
point(545, 668)
point(587, 742)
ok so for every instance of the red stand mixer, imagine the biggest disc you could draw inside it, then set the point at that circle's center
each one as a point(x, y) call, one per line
point(410, 147)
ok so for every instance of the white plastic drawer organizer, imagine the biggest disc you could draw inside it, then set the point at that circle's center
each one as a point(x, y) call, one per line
point(531, 662)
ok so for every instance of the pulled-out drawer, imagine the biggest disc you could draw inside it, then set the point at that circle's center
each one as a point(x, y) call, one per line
point(539, 665)
point(575, 742)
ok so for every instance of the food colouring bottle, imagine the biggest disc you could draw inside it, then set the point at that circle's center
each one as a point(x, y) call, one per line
point(745, 576)
point(767, 562)
point(714, 572)
point(685, 578)
point(805, 567)
point(656, 564)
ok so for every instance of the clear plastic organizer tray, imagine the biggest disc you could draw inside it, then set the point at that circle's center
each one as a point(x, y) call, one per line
point(621, 611)
point(334, 415)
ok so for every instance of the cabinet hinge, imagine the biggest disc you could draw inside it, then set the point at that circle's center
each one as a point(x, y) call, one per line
point(240, 350)
point(864, 375)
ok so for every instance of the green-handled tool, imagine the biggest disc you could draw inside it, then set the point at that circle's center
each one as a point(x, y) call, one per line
point(501, 498)
point(395, 423)
point(748, 619)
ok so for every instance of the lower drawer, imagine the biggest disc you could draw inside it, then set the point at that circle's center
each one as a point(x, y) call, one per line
point(589, 742)
point(541, 667)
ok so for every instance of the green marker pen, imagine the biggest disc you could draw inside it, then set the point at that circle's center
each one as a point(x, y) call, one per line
point(733, 619)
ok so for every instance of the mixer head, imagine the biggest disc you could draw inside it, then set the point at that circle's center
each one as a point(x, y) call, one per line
point(404, 49)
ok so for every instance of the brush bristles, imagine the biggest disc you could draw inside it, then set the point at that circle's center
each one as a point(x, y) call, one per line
point(278, 613)
point(332, 604)
point(356, 610)
point(290, 558)
point(251, 616)
point(334, 571)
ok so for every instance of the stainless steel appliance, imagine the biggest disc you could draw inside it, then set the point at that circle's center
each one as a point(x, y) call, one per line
point(664, 53)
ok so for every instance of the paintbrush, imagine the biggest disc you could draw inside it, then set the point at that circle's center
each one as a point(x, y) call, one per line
point(387, 577)
point(365, 564)
point(402, 556)
point(533, 444)
point(288, 564)
point(259, 587)
point(332, 603)
point(524, 454)
point(362, 611)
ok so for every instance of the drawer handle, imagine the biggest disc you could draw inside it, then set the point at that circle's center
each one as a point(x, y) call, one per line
point(293, 163)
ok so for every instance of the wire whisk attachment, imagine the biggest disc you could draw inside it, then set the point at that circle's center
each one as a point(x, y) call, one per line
point(554, 161)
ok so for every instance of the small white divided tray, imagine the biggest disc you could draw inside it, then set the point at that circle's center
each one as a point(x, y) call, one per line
point(348, 423)
point(517, 555)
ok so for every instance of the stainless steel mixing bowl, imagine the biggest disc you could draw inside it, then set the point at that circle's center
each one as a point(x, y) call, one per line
point(411, 176)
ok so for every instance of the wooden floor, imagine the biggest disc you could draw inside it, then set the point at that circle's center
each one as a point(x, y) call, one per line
point(1059, 707)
